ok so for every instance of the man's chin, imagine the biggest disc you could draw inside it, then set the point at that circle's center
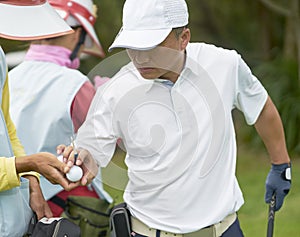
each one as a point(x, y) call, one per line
point(147, 77)
point(148, 74)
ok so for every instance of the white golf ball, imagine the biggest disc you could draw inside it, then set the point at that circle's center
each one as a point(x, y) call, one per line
point(74, 174)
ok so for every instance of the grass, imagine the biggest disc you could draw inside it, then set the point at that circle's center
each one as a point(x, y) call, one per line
point(252, 170)
point(114, 177)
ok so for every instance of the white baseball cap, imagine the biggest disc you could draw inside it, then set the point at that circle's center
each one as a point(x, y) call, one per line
point(147, 23)
point(81, 13)
point(30, 20)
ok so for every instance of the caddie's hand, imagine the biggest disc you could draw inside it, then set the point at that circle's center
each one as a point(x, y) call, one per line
point(47, 165)
point(38, 203)
point(278, 182)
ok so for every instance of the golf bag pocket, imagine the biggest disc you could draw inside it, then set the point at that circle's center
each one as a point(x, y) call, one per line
point(53, 227)
point(90, 214)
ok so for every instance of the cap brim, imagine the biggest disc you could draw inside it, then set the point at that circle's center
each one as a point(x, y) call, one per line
point(31, 22)
point(92, 45)
point(94, 50)
point(139, 39)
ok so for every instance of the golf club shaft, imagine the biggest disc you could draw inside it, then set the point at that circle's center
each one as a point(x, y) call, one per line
point(271, 216)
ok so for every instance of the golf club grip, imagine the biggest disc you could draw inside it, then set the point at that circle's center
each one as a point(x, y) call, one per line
point(271, 217)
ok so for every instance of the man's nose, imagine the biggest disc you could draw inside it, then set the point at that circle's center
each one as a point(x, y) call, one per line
point(141, 57)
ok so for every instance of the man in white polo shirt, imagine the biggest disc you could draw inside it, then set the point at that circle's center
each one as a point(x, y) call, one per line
point(172, 108)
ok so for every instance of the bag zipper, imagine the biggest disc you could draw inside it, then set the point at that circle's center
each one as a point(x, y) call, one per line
point(56, 229)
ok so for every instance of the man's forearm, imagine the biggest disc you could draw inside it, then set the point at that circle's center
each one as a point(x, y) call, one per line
point(269, 127)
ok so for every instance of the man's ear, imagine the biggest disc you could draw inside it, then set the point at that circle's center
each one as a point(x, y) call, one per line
point(185, 38)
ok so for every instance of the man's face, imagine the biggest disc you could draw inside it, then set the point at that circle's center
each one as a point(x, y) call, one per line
point(164, 61)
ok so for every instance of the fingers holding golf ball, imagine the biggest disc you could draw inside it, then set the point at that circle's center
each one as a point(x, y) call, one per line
point(87, 165)
point(75, 173)
point(64, 152)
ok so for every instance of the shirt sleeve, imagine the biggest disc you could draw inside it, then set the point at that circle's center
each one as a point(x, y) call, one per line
point(17, 147)
point(8, 176)
point(81, 104)
point(97, 134)
point(251, 96)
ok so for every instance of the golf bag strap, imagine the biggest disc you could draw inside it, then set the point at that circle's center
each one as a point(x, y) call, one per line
point(58, 201)
point(79, 43)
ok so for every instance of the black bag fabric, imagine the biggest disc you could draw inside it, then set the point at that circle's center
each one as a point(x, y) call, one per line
point(53, 227)
point(120, 221)
point(90, 214)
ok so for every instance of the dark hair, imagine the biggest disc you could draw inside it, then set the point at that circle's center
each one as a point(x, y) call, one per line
point(178, 31)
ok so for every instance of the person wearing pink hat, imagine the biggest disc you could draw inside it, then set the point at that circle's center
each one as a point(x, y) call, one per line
point(20, 193)
point(50, 97)
point(172, 107)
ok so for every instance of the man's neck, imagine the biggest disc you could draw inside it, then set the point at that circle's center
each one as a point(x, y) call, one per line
point(174, 74)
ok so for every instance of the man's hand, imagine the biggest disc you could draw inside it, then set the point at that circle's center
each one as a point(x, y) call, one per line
point(38, 203)
point(278, 182)
point(47, 165)
point(84, 160)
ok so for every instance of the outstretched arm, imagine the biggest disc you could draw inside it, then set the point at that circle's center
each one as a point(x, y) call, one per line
point(270, 129)
point(47, 165)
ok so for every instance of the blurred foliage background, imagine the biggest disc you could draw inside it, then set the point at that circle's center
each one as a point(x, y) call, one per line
point(264, 32)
